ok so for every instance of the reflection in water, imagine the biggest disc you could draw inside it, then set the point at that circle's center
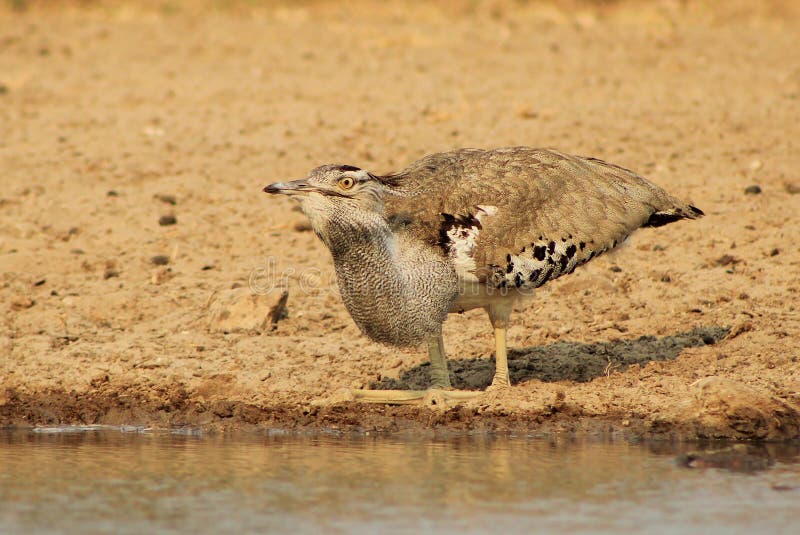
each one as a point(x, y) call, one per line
point(134, 482)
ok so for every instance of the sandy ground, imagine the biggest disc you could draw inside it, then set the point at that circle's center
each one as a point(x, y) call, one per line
point(114, 117)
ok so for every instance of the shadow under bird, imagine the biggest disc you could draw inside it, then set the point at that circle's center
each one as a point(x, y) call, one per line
point(468, 229)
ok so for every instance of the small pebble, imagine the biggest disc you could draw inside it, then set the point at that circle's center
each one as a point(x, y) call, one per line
point(793, 188)
point(615, 269)
point(775, 252)
point(3, 89)
point(726, 260)
point(166, 220)
point(112, 193)
point(302, 226)
point(161, 275)
point(160, 260)
point(740, 327)
point(21, 302)
point(40, 282)
point(753, 190)
point(99, 380)
point(110, 273)
point(169, 199)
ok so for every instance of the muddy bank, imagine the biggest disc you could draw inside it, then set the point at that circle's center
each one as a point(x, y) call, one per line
point(718, 409)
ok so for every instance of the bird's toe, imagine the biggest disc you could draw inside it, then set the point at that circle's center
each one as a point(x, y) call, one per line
point(499, 384)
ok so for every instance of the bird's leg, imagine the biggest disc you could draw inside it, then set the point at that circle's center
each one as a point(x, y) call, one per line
point(500, 378)
point(440, 376)
point(439, 393)
point(499, 315)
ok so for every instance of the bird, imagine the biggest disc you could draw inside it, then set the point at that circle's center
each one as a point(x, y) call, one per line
point(464, 229)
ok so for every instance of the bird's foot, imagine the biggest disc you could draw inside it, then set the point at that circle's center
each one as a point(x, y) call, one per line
point(499, 382)
point(431, 397)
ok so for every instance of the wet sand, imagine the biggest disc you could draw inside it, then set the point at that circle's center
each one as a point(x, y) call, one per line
point(135, 140)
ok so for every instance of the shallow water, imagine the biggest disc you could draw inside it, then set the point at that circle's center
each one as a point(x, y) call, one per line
point(69, 480)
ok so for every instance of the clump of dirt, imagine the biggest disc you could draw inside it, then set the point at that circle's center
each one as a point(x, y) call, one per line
point(722, 408)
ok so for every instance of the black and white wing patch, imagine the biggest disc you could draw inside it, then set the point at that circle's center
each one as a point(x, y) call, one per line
point(544, 260)
point(458, 236)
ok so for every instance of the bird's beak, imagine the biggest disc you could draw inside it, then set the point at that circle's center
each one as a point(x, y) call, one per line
point(295, 187)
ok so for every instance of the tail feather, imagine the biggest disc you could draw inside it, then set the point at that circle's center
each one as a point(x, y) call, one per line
point(658, 219)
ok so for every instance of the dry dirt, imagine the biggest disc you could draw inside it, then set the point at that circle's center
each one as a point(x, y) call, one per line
point(135, 139)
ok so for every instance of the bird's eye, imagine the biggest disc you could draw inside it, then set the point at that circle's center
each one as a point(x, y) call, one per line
point(346, 182)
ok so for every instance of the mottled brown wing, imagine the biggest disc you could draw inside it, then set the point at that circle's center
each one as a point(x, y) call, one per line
point(524, 216)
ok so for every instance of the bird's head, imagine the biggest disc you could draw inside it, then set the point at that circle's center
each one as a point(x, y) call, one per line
point(334, 192)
